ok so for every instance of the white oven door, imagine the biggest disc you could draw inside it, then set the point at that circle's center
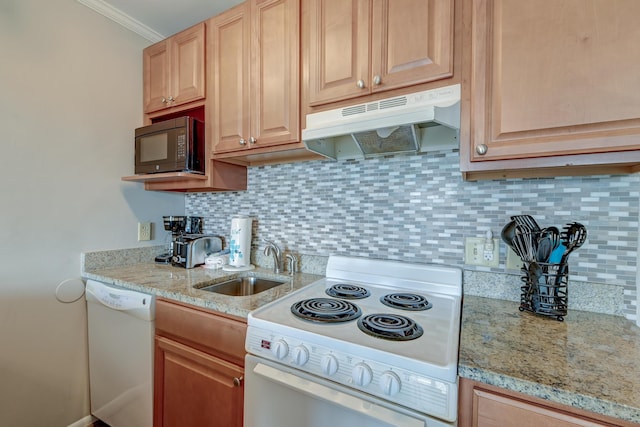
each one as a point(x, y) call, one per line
point(278, 396)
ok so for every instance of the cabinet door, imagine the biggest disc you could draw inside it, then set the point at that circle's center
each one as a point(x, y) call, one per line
point(482, 405)
point(496, 410)
point(192, 388)
point(339, 37)
point(552, 78)
point(229, 41)
point(412, 42)
point(275, 64)
point(188, 65)
point(156, 69)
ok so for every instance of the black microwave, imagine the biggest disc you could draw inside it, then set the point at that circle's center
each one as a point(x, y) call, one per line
point(175, 145)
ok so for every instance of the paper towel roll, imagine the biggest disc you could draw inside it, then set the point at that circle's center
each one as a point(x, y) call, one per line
point(240, 241)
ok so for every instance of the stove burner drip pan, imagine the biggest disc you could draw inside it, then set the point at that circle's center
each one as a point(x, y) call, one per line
point(347, 291)
point(326, 310)
point(391, 327)
point(406, 301)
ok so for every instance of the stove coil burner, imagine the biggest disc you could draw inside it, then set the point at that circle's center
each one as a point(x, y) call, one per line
point(390, 327)
point(346, 291)
point(406, 301)
point(326, 310)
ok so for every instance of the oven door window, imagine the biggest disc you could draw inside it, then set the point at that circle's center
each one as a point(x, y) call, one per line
point(278, 396)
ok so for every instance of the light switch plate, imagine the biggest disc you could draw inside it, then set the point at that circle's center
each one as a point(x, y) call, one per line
point(476, 253)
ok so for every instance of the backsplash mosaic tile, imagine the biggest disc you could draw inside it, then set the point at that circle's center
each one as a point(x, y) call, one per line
point(418, 208)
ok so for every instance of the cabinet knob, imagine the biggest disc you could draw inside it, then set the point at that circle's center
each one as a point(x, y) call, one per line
point(238, 381)
point(164, 100)
point(377, 80)
point(243, 141)
point(360, 84)
point(171, 99)
point(252, 140)
point(482, 149)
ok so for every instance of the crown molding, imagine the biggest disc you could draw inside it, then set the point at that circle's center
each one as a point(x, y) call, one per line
point(123, 19)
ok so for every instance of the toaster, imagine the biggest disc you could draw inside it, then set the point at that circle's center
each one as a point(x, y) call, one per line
point(190, 250)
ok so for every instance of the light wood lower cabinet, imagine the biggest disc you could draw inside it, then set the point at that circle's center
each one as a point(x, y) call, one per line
point(482, 405)
point(199, 367)
point(550, 88)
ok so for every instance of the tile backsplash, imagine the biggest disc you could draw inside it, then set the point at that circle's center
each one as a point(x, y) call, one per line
point(417, 208)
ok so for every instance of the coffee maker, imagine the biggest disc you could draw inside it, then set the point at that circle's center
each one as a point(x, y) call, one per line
point(181, 227)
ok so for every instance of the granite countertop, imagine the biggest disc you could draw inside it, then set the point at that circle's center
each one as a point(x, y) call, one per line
point(181, 284)
point(589, 361)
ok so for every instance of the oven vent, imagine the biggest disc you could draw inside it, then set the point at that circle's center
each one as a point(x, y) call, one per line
point(350, 111)
point(393, 102)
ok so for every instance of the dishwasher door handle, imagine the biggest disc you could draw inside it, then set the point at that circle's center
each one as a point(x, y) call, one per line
point(136, 303)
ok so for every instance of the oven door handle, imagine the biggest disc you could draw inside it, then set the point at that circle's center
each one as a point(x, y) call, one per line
point(337, 397)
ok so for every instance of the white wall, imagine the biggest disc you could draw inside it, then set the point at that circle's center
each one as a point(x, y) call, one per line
point(70, 97)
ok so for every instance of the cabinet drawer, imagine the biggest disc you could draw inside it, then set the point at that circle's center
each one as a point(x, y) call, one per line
point(483, 405)
point(213, 333)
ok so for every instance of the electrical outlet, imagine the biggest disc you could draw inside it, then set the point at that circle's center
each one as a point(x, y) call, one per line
point(513, 261)
point(477, 252)
point(144, 231)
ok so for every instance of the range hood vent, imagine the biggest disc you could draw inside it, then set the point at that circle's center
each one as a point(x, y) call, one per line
point(413, 123)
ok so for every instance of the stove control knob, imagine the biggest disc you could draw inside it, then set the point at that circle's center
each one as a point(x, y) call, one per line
point(280, 349)
point(390, 383)
point(362, 375)
point(299, 355)
point(329, 364)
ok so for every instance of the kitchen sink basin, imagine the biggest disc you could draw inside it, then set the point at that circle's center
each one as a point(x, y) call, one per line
point(243, 286)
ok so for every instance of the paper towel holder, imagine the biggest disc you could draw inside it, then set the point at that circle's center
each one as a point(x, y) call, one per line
point(240, 244)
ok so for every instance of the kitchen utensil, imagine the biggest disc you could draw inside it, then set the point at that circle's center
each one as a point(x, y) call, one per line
point(525, 243)
point(526, 221)
point(508, 233)
point(573, 236)
point(536, 275)
point(556, 255)
point(545, 247)
point(554, 235)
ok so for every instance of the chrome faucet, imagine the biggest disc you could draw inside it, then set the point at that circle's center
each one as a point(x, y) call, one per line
point(273, 249)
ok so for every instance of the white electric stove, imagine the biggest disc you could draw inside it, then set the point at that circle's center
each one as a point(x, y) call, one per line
point(382, 329)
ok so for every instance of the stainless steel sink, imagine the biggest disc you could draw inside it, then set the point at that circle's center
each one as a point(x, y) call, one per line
point(243, 286)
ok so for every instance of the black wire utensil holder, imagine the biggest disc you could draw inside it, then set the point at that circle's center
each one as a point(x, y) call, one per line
point(544, 289)
point(544, 274)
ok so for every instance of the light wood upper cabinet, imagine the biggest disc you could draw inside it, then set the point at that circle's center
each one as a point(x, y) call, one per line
point(551, 84)
point(254, 56)
point(174, 84)
point(360, 47)
point(174, 70)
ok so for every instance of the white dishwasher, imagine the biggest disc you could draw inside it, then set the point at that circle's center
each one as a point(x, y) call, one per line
point(121, 331)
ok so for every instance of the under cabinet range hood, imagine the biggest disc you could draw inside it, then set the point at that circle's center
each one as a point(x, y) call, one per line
point(412, 123)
